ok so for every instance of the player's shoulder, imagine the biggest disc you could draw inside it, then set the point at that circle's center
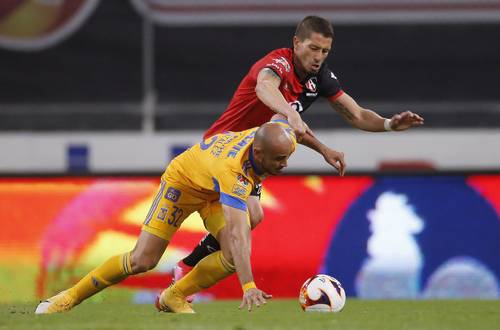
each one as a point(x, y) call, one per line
point(286, 52)
point(282, 56)
point(326, 73)
point(278, 60)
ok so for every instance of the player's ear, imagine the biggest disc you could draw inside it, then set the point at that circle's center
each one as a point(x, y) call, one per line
point(296, 42)
point(257, 152)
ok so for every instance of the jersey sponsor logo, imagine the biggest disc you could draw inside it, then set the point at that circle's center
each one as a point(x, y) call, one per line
point(239, 191)
point(311, 94)
point(172, 194)
point(297, 106)
point(281, 60)
point(311, 84)
point(277, 67)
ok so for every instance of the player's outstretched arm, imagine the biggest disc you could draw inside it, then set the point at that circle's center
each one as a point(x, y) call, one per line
point(267, 90)
point(332, 157)
point(369, 120)
point(238, 241)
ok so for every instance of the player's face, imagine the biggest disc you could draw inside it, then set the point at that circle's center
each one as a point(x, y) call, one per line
point(273, 162)
point(311, 52)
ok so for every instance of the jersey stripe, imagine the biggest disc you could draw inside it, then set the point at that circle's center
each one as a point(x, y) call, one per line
point(155, 203)
point(232, 201)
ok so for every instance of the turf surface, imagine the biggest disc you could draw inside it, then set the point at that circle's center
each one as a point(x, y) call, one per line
point(277, 314)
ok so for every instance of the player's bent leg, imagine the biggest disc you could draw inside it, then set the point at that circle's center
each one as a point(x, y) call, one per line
point(209, 244)
point(143, 257)
point(210, 270)
point(205, 274)
point(147, 252)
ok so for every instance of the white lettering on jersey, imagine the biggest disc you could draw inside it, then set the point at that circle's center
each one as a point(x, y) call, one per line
point(277, 67)
point(283, 62)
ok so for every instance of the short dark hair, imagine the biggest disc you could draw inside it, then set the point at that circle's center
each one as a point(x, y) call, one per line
point(314, 24)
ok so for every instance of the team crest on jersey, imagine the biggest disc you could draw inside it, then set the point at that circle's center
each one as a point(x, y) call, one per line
point(241, 180)
point(311, 84)
point(283, 62)
point(241, 185)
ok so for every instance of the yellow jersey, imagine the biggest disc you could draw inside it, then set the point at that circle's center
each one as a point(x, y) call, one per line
point(220, 168)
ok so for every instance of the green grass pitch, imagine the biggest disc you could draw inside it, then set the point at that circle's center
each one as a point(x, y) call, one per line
point(277, 314)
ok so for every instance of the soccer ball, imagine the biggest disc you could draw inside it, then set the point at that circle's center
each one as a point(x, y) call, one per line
point(322, 293)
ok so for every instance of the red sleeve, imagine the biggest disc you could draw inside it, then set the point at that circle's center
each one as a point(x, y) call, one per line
point(336, 95)
point(274, 61)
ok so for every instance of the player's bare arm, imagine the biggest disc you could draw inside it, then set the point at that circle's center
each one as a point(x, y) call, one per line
point(369, 120)
point(238, 241)
point(332, 157)
point(267, 90)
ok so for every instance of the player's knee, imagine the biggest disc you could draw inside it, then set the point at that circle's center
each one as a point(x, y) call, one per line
point(142, 263)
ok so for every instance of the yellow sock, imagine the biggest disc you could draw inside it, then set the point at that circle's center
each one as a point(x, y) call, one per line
point(206, 273)
point(114, 270)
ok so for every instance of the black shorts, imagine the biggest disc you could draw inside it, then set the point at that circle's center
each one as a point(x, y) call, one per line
point(256, 190)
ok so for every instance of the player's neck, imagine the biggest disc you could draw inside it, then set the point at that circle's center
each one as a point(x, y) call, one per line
point(257, 168)
point(298, 69)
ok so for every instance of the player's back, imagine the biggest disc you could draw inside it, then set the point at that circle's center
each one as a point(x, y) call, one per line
point(246, 110)
point(200, 168)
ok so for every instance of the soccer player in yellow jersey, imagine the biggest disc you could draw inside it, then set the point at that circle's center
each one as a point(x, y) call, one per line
point(214, 178)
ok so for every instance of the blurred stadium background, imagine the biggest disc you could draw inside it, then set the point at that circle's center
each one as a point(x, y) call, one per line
point(97, 96)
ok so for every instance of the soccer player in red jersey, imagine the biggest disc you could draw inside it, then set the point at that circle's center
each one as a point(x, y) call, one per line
point(287, 81)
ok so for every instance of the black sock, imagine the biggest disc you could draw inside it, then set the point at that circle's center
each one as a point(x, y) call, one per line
point(206, 246)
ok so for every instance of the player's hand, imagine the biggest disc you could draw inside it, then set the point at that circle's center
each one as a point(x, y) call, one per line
point(336, 159)
point(255, 297)
point(403, 121)
point(297, 124)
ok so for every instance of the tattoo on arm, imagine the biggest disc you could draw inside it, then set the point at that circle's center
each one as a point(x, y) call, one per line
point(271, 72)
point(343, 110)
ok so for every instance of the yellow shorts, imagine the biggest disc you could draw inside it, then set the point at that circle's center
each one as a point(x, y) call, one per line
point(172, 205)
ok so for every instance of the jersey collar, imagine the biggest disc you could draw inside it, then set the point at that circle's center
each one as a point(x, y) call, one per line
point(252, 161)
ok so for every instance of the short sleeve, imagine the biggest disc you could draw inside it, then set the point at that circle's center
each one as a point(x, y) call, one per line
point(274, 61)
point(330, 85)
point(233, 188)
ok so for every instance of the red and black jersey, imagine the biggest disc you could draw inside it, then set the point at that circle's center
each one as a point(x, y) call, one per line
point(245, 110)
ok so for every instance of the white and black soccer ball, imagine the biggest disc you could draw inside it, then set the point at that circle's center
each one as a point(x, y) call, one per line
point(322, 293)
